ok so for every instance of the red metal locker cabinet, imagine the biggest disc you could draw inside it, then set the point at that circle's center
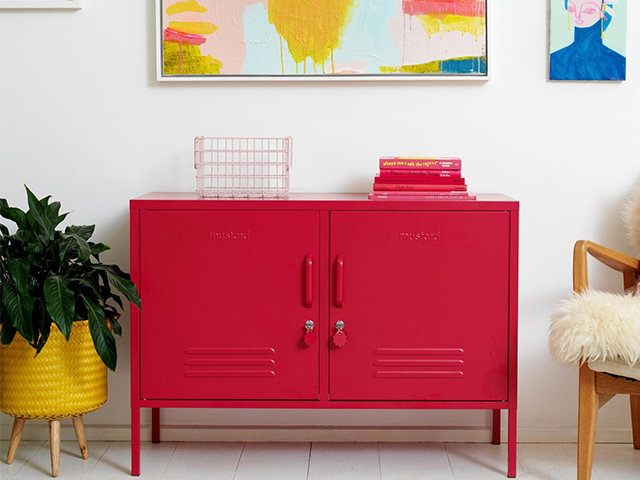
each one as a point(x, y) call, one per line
point(427, 291)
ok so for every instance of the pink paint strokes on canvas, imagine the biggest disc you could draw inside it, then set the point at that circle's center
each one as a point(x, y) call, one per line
point(227, 44)
point(191, 39)
point(467, 8)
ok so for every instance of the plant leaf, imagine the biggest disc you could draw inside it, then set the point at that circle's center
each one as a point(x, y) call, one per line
point(4, 230)
point(52, 212)
point(14, 214)
point(116, 270)
point(113, 316)
point(86, 283)
point(39, 213)
point(19, 270)
point(97, 249)
point(19, 311)
point(127, 287)
point(8, 331)
point(83, 231)
point(103, 339)
point(44, 323)
point(118, 300)
point(68, 249)
point(84, 252)
point(61, 218)
point(35, 249)
point(60, 303)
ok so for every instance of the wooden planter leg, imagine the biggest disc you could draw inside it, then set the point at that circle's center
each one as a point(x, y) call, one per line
point(587, 420)
point(78, 426)
point(16, 433)
point(54, 444)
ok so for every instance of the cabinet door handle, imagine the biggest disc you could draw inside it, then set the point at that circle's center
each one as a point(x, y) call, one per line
point(309, 281)
point(339, 279)
point(340, 338)
point(310, 336)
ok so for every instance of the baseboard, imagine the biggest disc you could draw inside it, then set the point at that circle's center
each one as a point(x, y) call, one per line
point(38, 430)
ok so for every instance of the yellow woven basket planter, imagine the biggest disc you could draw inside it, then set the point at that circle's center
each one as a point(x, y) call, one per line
point(64, 380)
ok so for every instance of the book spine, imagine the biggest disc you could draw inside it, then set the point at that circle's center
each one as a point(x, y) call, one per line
point(409, 193)
point(400, 173)
point(419, 187)
point(421, 179)
point(375, 196)
point(420, 163)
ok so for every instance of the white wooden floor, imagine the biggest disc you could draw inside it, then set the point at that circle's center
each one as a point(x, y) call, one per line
point(318, 461)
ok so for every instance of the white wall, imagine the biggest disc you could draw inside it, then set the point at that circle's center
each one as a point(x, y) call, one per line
point(83, 119)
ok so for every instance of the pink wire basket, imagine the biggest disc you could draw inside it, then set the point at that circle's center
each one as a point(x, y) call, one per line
point(242, 167)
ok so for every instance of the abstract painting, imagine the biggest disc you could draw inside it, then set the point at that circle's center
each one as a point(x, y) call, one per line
point(588, 40)
point(208, 39)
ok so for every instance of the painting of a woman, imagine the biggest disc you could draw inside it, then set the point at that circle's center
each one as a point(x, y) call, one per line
point(588, 58)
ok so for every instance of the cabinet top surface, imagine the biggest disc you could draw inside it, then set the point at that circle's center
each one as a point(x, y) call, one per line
point(315, 201)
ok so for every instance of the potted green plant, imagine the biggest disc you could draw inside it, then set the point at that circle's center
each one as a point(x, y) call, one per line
point(58, 316)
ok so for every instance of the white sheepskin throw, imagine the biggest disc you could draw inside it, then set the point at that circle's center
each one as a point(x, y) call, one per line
point(596, 326)
point(631, 217)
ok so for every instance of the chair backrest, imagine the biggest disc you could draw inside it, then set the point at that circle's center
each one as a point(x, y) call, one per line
point(631, 217)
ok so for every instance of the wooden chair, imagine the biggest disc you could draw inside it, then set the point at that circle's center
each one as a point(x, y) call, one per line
point(597, 388)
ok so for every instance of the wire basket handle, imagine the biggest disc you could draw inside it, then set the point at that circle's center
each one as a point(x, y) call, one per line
point(289, 148)
point(195, 151)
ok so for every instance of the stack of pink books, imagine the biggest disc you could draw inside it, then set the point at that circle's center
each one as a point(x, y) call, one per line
point(420, 178)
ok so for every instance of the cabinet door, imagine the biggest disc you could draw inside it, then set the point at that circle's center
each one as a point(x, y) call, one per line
point(424, 300)
point(225, 297)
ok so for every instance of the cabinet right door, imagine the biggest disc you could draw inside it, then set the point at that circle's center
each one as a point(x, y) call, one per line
point(424, 301)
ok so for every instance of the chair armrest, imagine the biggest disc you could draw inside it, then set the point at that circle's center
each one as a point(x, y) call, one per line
point(629, 266)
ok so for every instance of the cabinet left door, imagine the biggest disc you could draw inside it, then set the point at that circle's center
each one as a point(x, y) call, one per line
point(226, 295)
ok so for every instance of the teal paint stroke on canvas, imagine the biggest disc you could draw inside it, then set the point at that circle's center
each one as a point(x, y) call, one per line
point(263, 44)
point(371, 22)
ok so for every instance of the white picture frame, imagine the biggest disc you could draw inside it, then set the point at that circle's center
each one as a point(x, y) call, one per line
point(161, 77)
point(41, 4)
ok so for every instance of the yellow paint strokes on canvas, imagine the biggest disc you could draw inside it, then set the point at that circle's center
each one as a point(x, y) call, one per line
point(212, 64)
point(312, 28)
point(185, 59)
point(188, 6)
point(202, 28)
point(430, 67)
point(452, 23)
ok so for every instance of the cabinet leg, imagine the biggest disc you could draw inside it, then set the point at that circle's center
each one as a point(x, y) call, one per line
point(155, 425)
point(635, 420)
point(16, 433)
point(78, 426)
point(135, 442)
point(496, 427)
point(513, 442)
point(54, 445)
